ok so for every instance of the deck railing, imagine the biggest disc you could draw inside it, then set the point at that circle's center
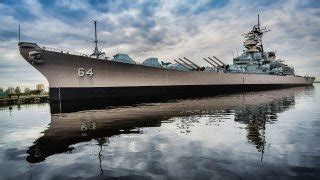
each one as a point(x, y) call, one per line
point(65, 51)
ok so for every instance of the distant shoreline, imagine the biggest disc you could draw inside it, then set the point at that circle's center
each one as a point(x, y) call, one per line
point(29, 99)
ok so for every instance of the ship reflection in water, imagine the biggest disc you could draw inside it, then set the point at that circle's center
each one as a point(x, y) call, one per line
point(232, 136)
point(249, 109)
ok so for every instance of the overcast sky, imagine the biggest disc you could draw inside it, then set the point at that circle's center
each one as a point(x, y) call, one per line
point(164, 29)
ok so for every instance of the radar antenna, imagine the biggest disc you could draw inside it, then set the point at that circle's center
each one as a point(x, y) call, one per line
point(253, 42)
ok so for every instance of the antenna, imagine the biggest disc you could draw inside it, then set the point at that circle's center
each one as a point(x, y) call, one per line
point(260, 35)
point(19, 33)
point(258, 21)
point(96, 51)
point(95, 37)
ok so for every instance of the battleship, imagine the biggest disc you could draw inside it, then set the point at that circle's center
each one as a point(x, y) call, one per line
point(75, 76)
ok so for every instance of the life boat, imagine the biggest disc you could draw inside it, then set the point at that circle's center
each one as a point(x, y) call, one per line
point(35, 57)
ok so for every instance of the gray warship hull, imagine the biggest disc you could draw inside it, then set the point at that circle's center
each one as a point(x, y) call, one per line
point(104, 79)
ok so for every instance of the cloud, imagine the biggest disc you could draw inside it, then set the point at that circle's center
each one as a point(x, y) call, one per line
point(166, 29)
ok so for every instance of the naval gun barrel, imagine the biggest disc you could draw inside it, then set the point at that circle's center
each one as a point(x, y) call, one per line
point(219, 60)
point(182, 65)
point(214, 62)
point(193, 68)
point(198, 68)
point(192, 62)
point(209, 62)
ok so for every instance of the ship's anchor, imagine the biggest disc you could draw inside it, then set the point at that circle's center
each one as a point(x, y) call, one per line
point(35, 57)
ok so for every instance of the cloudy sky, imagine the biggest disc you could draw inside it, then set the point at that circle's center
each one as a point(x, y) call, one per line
point(164, 29)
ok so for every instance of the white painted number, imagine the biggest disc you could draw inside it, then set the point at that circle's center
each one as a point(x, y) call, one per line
point(89, 72)
point(82, 72)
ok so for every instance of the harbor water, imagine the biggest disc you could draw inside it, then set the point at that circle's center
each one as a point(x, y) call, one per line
point(254, 135)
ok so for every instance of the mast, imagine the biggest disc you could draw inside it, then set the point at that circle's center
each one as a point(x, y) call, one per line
point(19, 33)
point(96, 51)
point(258, 22)
point(253, 42)
point(260, 35)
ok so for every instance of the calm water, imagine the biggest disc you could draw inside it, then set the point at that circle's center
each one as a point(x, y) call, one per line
point(252, 135)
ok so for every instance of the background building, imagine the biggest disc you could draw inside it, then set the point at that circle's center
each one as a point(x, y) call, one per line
point(40, 87)
point(2, 93)
point(10, 90)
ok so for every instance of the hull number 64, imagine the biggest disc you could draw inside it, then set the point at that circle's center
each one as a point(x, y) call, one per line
point(82, 72)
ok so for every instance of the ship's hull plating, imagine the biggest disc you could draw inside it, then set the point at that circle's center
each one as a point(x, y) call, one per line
point(155, 92)
point(115, 80)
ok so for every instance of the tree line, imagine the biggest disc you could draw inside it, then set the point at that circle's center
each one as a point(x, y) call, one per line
point(11, 91)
